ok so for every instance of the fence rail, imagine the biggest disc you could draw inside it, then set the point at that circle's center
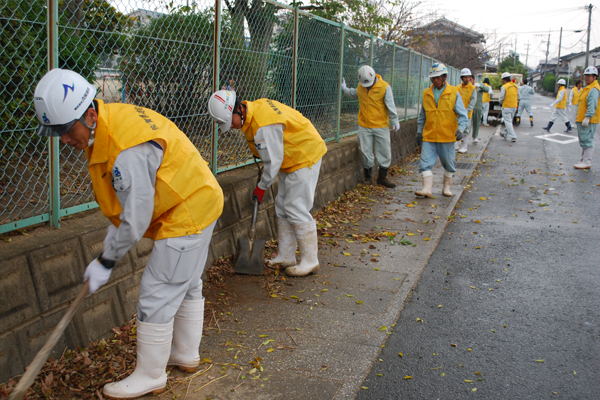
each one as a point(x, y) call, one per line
point(170, 57)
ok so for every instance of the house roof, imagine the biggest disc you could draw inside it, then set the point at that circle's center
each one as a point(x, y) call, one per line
point(445, 26)
point(575, 55)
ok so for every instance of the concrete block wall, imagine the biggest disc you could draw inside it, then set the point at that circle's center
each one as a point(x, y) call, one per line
point(39, 279)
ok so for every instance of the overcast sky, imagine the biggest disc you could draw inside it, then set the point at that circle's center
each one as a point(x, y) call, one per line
point(528, 21)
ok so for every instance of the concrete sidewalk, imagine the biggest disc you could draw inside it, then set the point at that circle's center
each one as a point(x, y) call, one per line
point(316, 337)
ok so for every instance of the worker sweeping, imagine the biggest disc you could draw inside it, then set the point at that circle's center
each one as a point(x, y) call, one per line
point(485, 106)
point(525, 93)
point(588, 116)
point(481, 90)
point(573, 101)
point(442, 121)
point(149, 181)
point(289, 145)
point(509, 99)
point(377, 111)
point(558, 107)
point(468, 95)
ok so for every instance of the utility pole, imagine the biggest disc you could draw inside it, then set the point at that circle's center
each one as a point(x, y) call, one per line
point(499, 54)
point(587, 50)
point(527, 56)
point(547, 52)
point(515, 56)
point(557, 68)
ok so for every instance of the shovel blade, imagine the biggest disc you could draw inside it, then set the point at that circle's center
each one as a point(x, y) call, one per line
point(250, 259)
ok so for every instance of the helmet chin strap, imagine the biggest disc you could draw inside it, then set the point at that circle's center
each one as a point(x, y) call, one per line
point(91, 128)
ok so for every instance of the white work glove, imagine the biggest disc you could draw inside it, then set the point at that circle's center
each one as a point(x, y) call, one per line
point(110, 234)
point(585, 122)
point(478, 85)
point(552, 104)
point(97, 274)
point(344, 87)
point(396, 126)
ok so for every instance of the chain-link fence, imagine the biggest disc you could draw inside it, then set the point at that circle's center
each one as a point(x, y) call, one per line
point(170, 57)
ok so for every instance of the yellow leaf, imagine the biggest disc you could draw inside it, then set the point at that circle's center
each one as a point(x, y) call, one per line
point(470, 349)
point(347, 254)
point(426, 239)
point(350, 295)
point(473, 390)
point(265, 335)
point(409, 205)
point(326, 235)
point(493, 330)
point(419, 320)
point(468, 380)
point(443, 374)
point(376, 269)
point(324, 290)
point(482, 198)
point(375, 255)
point(539, 360)
point(349, 241)
point(410, 234)
point(440, 306)
point(478, 247)
point(477, 221)
point(408, 377)
point(383, 328)
point(294, 296)
point(359, 302)
point(270, 350)
point(364, 387)
point(402, 355)
point(477, 373)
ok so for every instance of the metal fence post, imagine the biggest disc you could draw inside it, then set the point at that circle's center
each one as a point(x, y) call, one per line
point(53, 143)
point(407, 86)
point(295, 58)
point(372, 44)
point(393, 66)
point(419, 91)
point(340, 78)
point(216, 70)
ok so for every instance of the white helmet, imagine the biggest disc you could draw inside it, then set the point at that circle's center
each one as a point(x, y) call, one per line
point(220, 107)
point(438, 69)
point(61, 98)
point(506, 75)
point(466, 72)
point(366, 76)
point(561, 82)
point(591, 70)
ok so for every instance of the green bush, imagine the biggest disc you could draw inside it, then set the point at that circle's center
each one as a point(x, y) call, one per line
point(549, 82)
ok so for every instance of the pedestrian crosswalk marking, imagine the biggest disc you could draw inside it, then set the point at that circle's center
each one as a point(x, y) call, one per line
point(541, 108)
point(553, 137)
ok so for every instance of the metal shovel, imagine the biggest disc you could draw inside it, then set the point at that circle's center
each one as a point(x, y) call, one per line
point(250, 258)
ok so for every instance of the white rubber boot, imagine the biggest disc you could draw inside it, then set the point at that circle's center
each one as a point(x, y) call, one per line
point(465, 144)
point(427, 185)
point(447, 182)
point(586, 161)
point(286, 256)
point(306, 235)
point(187, 334)
point(153, 348)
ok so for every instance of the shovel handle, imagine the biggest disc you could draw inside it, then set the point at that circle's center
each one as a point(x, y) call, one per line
point(42, 356)
point(254, 218)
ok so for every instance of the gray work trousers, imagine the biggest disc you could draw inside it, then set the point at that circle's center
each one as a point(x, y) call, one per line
point(173, 274)
point(296, 194)
point(379, 139)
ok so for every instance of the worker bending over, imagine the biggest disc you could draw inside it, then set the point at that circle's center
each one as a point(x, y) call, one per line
point(149, 181)
point(559, 107)
point(525, 93)
point(468, 95)
point(588, 116)
point(377, 111)
point(442, 121)
point(289, 145)
point(573, 101)
point(509, 99)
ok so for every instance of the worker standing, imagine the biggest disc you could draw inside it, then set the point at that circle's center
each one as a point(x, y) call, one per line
point(573, 101)
point(525, 93)
point(588, 116)
point(377, 111)
point(289, 145)
point(442, 121)
point(149, 181)
point(481, 90)
point(486, 101)
point(559, 105)
point(509, 99)
point(469, 97)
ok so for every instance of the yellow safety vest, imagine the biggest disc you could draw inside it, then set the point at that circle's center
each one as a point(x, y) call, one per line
point(440, 120)
point(486, 95)
point(465, 92)
point(302, 144)
point(582, 108)
point(576, 94)
point(187, 199)
point(510, 95)
point(373, 111)
point(563, 102)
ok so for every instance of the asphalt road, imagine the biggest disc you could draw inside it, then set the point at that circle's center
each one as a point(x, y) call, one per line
point(508, 305)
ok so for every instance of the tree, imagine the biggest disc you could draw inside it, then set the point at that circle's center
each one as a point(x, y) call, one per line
point(513, 65)
point(549, 82)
